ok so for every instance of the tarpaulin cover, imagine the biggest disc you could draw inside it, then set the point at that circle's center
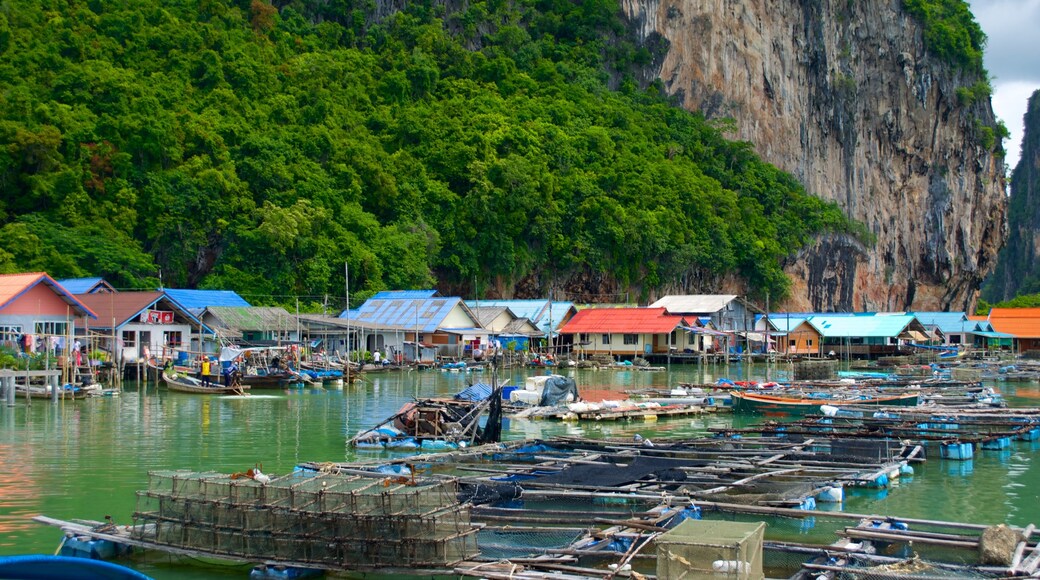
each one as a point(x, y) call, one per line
point(474, 393)
point(556, 390)
point(614, 475)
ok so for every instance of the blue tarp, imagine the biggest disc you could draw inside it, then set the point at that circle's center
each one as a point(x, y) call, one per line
point(474, 392)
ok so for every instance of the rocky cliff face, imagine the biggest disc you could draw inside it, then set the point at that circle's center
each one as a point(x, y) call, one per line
point(844, 96)
point(1017, 270)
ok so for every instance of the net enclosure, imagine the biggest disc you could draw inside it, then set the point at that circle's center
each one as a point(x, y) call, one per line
point(326, 520)
point(711, 550)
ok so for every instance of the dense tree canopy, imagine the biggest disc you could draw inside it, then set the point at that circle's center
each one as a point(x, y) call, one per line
point(252, 147)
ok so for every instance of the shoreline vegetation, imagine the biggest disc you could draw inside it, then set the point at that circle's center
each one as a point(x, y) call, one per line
point(496, 149)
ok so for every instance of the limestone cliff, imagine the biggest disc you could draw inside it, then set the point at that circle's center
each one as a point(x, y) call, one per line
point(845, 96)
point(1017, 269)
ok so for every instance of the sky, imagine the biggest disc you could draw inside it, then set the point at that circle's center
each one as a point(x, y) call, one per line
point(1012, 58)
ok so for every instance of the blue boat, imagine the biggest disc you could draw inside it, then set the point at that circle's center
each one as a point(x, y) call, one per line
point(33, 567)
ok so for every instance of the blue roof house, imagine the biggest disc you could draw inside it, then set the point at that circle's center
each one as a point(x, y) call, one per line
point(199, 300)
point(546, 315)
point(78, 286)
point(867, 335)
point(952, 327)
point(446, 324)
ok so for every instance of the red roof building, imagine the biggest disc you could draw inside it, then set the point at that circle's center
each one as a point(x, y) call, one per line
point(627, 332)
point(33, 305)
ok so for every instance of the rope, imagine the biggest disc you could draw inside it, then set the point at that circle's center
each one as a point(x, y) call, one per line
point(61, 545)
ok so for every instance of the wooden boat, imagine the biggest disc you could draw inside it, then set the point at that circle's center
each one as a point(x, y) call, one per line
point(755, 404)
point(68, 391)
point(440, 424)
point(186, 384)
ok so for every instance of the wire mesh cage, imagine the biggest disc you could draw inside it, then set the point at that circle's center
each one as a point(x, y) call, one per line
point(710, 549)
point(330, 519)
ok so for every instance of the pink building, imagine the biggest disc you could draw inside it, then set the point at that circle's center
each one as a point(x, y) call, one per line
point(33, 305)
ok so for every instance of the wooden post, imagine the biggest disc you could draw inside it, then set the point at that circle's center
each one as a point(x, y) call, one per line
point(8, 383)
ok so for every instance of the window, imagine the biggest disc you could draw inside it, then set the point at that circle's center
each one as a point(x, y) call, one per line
point(10, 333)
point(792, 342)
point(583, 337)
point(606, 339)
point(51, 328)
point(672, 338)
point(172, 338)
point(808, 342)
point(129, 338)
point(955, 339)
point(631, 339)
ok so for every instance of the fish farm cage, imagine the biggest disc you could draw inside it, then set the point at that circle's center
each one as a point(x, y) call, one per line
point(701, 550)
point(323, 520)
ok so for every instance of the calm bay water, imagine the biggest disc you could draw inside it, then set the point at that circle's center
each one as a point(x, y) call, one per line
point(86, 459)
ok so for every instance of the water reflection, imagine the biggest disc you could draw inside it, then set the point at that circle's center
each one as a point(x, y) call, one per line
point(86, 459)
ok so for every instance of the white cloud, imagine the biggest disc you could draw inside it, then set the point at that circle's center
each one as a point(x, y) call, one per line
point(1013, 60)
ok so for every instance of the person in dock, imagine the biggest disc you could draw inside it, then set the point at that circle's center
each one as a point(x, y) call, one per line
point(77, 353)
point(205, 372)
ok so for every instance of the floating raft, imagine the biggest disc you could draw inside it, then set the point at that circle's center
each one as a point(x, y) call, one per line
point(621, 413)
point(989, 430)
point(762, 471)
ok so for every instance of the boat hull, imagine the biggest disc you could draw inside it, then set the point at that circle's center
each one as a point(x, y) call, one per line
point(190, 385)
point(753, 404)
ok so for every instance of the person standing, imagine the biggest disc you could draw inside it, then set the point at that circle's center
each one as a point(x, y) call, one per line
point(205, 372)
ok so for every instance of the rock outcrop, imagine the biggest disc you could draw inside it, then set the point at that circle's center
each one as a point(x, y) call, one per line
point(845, 96)
point(1017, 270)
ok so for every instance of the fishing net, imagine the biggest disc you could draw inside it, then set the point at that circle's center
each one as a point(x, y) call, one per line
point(910, 569)
point(702, 549)
point(498, 543)
point(623, 472)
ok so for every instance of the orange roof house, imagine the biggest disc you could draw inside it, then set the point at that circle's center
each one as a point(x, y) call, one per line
point(34, 305)
point(1022, 323)
point(627, 331)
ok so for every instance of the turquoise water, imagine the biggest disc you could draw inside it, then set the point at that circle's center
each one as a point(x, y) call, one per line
point(86, 459)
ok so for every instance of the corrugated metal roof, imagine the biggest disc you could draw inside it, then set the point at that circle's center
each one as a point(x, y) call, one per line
point(694, 303)
point(521, 326)
point(192, 299)
point(864, 326)
point(784, 323)
point(125, 307)
point(622, 321)
point(946, 321)
point(991, 334)
point(320, 322)
point(237, 319)
point(425, 314)
point(82, 285)
point(487, 314)
point(539, 312)
point(14, 285)
point(404, 294)
point(1020, 322)
point(120, 306)
point(531, 309)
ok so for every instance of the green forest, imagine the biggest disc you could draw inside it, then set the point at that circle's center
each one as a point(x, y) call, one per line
point(258, 148)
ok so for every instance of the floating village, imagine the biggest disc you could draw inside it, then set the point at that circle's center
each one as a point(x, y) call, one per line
point(851, 401)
